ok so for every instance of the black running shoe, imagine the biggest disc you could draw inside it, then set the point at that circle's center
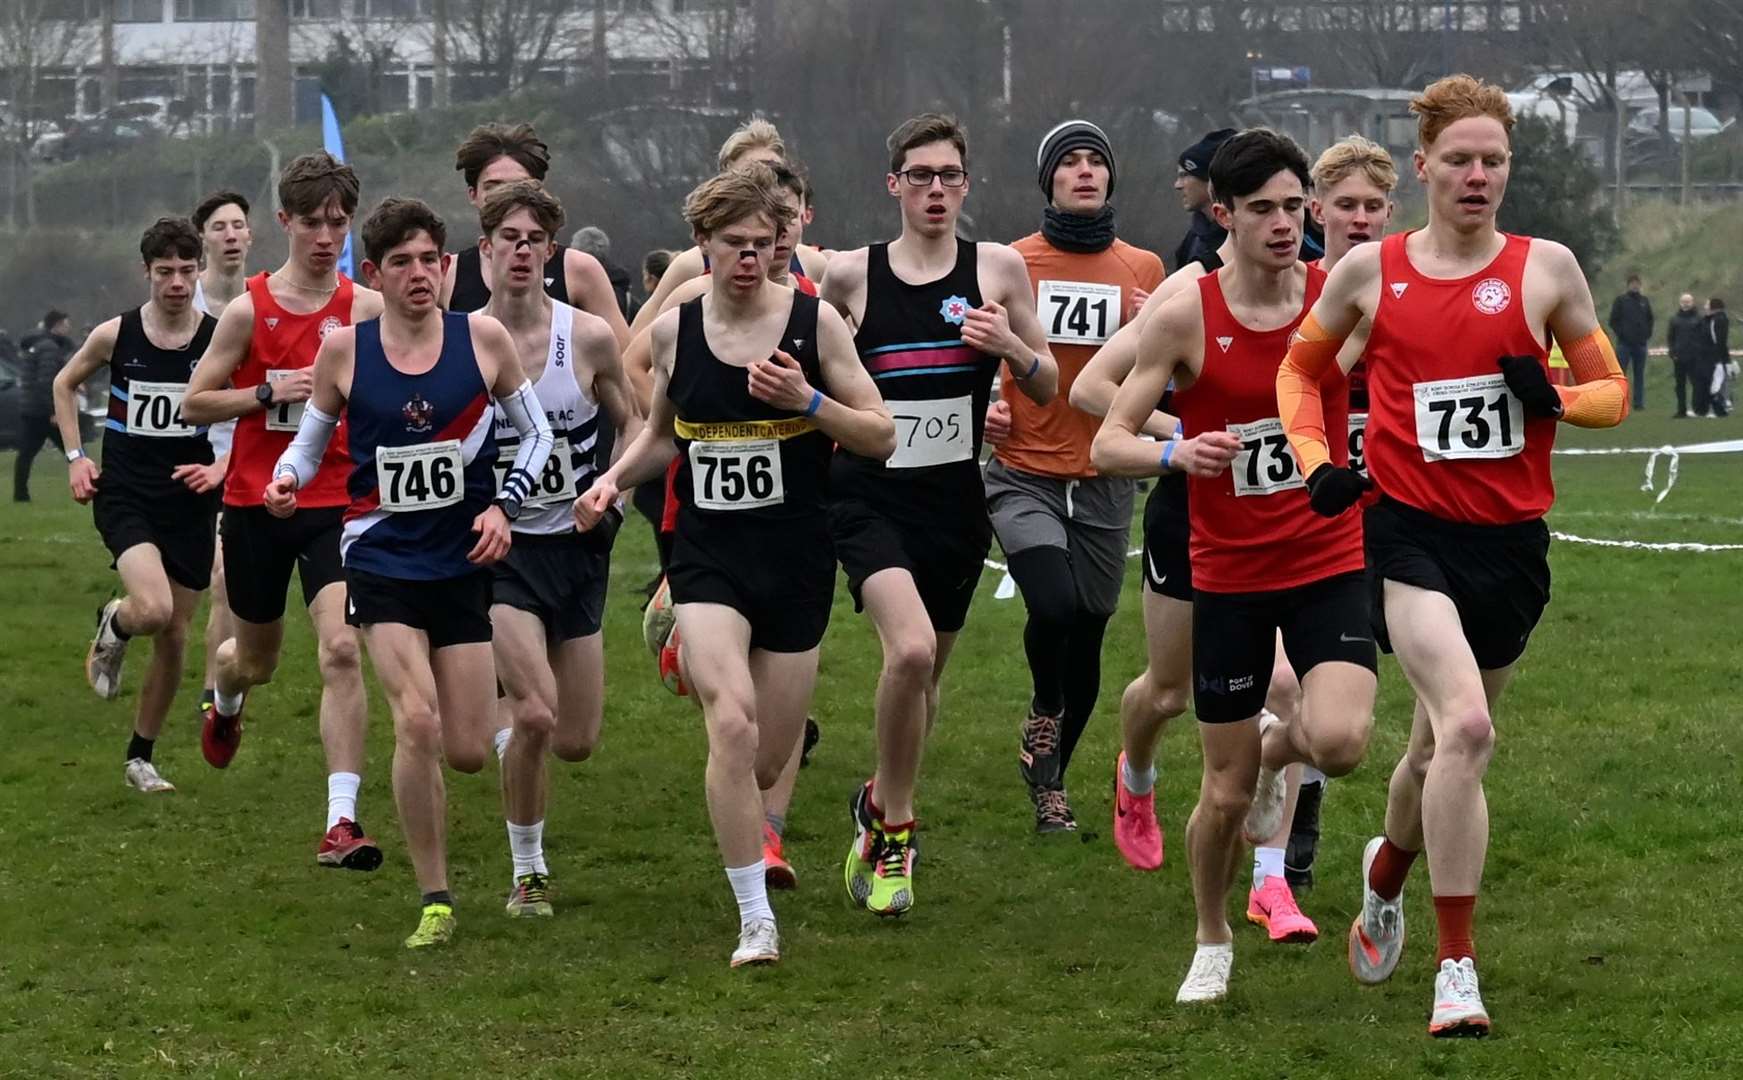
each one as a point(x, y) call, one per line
point(1038, 756)
point(812, 734)
point(1303, 837)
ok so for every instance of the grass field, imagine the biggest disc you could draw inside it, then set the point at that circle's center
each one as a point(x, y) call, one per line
point(193, 934)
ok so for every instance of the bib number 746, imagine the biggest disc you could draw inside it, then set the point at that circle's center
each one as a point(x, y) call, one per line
point(427, 476)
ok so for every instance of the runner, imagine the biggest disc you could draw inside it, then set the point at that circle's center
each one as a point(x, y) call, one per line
point(550, 588)
point(789, 186)
point(753, 383)
point(1458, 442)
point(1259, 568)
point(225, 237)
point(1352, 200)
point(1063, 527)
point(933, 318)
point(415, 388)
point(759, 141)
point(491, 156)
point(155, 498)
point(256, 372)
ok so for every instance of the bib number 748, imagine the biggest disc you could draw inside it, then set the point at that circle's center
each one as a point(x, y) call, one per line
point(1471, 418)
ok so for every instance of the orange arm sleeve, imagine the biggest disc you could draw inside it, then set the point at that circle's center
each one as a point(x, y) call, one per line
point(1312, 353)
point(1599, 396)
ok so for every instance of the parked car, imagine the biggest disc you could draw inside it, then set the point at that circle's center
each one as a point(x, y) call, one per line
point(1702, 124)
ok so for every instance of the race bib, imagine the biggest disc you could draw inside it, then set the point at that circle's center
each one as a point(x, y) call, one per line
point(556, 483)
point(932, 432)
point(736, 474)
point(286, 415)
point(1078, 312)
point(1265, 464)
point(1359, 442)
point(1475, 417)
point(427, 476)
point(154, 409)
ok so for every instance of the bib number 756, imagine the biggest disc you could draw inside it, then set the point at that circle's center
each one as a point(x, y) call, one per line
point(736, 474)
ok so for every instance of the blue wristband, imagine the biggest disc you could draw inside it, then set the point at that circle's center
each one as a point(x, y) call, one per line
point(1168, 452)
point(1030, 374)
point(816, 403)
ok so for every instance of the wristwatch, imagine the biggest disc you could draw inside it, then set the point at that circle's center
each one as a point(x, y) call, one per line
point(509, 505)
point(263, 394)
point(74, 454)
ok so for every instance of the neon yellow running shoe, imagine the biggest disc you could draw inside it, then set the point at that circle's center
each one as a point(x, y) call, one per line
point(892, 882)
point(530, 897)
point(858, 871)
point(435, 927)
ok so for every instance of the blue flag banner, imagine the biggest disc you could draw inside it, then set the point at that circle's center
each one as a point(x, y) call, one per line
point(335, 145)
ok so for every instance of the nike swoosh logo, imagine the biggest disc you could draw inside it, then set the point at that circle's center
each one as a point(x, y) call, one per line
point(1348, 640)
point(1159, 579)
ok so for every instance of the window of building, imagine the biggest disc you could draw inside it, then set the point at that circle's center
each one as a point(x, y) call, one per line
point(316, 9)
point(214, 10)
point(138, 11)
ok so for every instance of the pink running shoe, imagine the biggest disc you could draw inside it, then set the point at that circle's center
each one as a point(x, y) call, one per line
point(1136, 832)
point(1273, 907)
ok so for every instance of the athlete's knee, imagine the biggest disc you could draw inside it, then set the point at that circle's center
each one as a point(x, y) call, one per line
point(253, 667)
point(769, 769)
point(1468, 736)
point(149, 616)
point(911, 656)
point(732, 732)
point(1159, 701)
point(416, 726)
point(534, 720)
point(467, 758)
point(340, 656)
point(1225, 797)
point(576, 746)
point(1337, 752)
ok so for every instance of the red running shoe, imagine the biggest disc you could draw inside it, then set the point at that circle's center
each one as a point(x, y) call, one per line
point(777, 871)
point(347, 847)
point(219, 737)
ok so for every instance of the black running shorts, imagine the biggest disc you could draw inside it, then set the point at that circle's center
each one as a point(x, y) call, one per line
point(561, 578)
point(1497, 576)
point(1167, 540)
point(779, 575)
point(450, 611)
point(946, 563)
point(1234, 640)
point(261, 550)
point(180, 529)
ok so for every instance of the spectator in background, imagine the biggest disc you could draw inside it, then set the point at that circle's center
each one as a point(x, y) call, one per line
point(1686, 339)
point(1717, 365)
point(592, 240)
point(1631, 328)
point(41, 355)
point(8, 349)
point(1204, 235)
point(654, 265)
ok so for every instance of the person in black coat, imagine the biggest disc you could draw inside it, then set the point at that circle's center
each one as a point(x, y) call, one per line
point(1717, 363)
point(1631, 328)
point(41, 355)
point(1686, 338)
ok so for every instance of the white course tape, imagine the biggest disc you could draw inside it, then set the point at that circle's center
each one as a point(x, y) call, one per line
point(1642, 545)
point(1653, 453)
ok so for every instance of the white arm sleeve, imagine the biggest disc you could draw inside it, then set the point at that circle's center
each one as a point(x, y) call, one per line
point(528, 417)
point(303, 456)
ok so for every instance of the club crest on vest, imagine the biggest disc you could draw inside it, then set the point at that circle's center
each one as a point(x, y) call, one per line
point(419, 414)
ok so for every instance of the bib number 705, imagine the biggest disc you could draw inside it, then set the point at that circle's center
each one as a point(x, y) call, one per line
point(1471, 418)
point(736, 474)
point(428, 476)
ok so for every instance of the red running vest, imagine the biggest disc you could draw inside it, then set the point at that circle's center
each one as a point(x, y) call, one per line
point(1252, 528)
point(1444, 433)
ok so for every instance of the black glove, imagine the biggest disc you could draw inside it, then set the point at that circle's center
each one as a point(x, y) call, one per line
point(1332, 490)
point(1525, 377)
point(600, 537)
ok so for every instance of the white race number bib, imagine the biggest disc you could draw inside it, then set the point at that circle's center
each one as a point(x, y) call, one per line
point(736, 474)
point(427, 476)
point(932, 432)
point(1266, 464)
point(1078, 312)
point(286, 415)
point(1359, 442)
point(154, 409)
point(556, 482)
point(1475, 417)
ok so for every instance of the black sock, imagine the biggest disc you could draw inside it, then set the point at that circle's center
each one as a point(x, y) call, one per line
point(1043, 574)
point(115, 626)
point(440, 896)
point(1082, 681)
point(140, 747)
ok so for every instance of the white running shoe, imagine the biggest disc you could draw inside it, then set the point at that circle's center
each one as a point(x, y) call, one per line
point(1377, 935)
point(1208, 979)
point(108, 650)
point(143, 775)
point(1458, 1007)
point(758, 943)
point(1265, 816)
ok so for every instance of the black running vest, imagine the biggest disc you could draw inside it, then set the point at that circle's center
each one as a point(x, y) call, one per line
point(144, 437)
point(471, 293)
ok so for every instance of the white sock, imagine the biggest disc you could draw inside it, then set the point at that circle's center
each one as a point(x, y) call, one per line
point(342, 796)
point(1267, 862)
point(526, 843)
point(228, 704)
point(1137, 783)
point(751, 891)
point(500, 741)
point(1311, 775)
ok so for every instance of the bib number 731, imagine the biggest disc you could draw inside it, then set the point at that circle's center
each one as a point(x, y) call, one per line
point(1470, 418)
point(428, 476)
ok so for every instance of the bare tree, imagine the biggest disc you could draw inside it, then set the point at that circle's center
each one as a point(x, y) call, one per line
point(506, 42)
point(36, 37)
